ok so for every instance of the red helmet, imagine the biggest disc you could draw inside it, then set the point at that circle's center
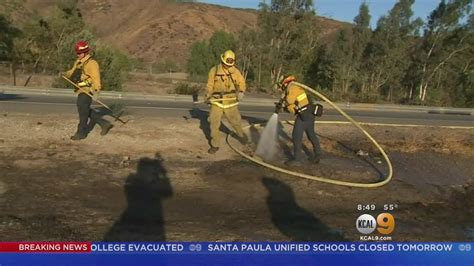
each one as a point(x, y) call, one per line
point(82, 47)
point(285, 80)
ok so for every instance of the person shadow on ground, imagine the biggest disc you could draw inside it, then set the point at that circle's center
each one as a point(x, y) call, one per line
point(143, 219)
point(202, 116)
point(292, 220)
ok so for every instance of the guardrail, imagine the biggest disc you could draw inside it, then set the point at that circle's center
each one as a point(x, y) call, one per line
point(247, 100)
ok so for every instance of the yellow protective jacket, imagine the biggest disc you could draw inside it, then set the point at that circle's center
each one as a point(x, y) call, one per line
point(90, 78)
point(224, 83)
point(295, 98)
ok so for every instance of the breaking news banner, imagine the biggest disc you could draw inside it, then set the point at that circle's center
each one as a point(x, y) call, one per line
point(236, 253)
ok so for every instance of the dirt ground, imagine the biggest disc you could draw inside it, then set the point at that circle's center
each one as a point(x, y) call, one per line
point(152, 179)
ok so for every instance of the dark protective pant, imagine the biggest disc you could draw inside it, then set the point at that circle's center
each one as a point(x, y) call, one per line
point(304, 123)
point(85, 112)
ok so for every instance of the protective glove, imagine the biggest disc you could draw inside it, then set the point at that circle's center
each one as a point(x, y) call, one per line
point(240, 96)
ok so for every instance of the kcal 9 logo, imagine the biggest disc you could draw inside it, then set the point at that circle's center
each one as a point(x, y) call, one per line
point(385, 223)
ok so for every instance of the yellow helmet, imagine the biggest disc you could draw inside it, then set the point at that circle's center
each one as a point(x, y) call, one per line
point(228, 58)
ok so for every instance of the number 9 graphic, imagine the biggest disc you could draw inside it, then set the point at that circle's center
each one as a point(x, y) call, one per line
point(386, 223)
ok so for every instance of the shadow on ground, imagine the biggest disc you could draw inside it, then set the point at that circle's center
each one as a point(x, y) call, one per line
point(143, 220)
point(291, 219)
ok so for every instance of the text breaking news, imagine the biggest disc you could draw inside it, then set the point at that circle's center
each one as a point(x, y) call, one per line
point(236, 253)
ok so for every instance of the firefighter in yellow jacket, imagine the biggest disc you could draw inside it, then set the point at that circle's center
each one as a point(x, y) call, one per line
point(85, 73)
point(225, 87)
point(295, 100)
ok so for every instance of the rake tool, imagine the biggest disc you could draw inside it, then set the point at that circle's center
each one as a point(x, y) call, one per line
point(117, 118)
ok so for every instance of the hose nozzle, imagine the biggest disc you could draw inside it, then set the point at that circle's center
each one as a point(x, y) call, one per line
point(278, 107)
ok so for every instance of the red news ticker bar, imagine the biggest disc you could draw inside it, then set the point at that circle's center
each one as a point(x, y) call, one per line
point(45, 247)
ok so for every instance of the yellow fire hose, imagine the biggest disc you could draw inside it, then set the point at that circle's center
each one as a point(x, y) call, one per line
point(322, 179)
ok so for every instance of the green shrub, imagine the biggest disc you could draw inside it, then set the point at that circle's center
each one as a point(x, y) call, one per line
point(187, 89)
point(113, 67)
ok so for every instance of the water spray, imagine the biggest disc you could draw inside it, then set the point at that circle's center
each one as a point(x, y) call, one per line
point(267, 146)
point(379, 183)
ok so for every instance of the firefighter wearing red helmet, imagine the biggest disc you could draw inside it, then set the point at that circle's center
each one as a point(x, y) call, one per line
point(295, 101)
point(85, 73)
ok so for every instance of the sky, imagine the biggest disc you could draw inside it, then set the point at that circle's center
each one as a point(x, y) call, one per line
point(343, 10)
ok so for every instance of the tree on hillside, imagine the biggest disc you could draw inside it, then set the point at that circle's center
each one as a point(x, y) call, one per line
point(362, 34)
point(200, 59)
point(338, 67)
point(248, 56)
point(8, 33)
point(387, 54)
point(204, 54)
point(291, 6)
point(451, 83)
point(114, 65)
point(48, 39)
point(221, 41)
point(444, 40)
point(287, 29)
point(343, 69)
point(48, 42)
point(321, 72)
point(361, 30)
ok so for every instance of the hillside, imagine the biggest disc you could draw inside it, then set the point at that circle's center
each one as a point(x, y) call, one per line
point(155, 30)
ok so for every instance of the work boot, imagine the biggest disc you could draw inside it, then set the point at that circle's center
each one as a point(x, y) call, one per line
point(294, 163)
point(316, 158)
point(78, 136)
point(106, 129)
point(213, 150)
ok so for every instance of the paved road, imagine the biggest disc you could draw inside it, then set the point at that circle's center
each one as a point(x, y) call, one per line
point(252, 110)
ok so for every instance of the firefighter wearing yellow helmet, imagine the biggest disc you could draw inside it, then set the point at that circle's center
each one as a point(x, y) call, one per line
point(295, 100)
point(225, 88)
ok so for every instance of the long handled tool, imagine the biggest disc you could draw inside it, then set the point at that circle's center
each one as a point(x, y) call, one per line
point(117, 118)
